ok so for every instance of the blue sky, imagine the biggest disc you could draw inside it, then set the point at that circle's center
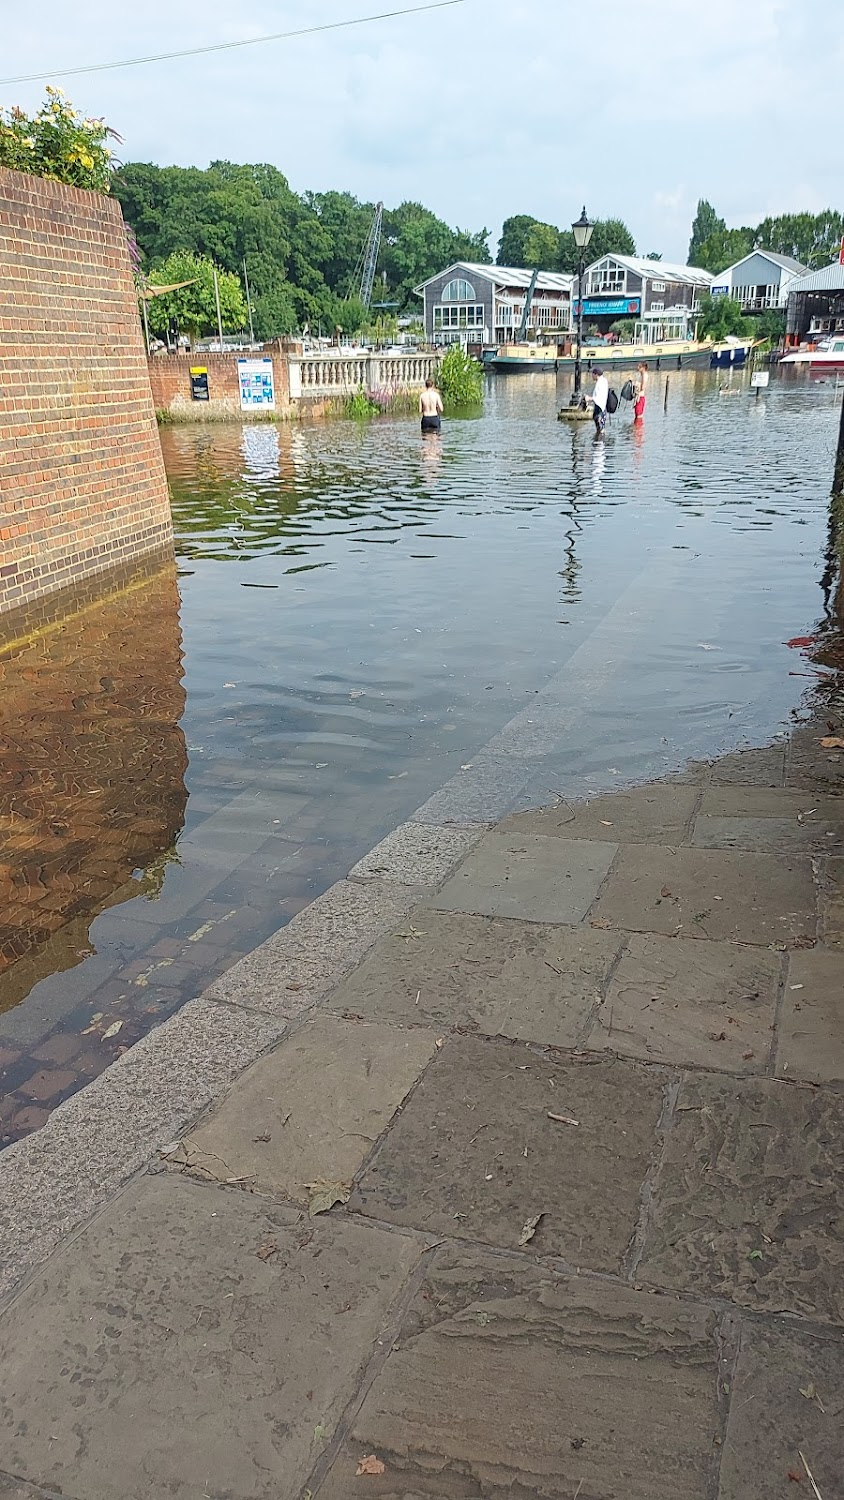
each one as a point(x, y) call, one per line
point(492, 107)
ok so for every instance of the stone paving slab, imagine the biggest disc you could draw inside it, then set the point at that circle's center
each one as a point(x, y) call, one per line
point(419, 853)
point(765, 767)
point(656, 814)
point(787, 1398)
point(674, 1000)
point(768, 835)
point(313, 1109)
point(809, 764)
point(17, 1489)
point(164, 1355)
point(772, 802)
point(509, 1381)
point(749, 1199)
point(524, 980)
point(475, 1155)
point(305, 960)
point(832, 903)
point(725, 895)
point(52, 1181)
point(533, 878)
point(811, 1039)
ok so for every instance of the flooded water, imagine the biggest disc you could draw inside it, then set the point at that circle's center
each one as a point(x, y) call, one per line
point(357, 613)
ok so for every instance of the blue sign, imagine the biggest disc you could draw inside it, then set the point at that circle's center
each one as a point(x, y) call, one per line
point(616, 307)
point(719, 291)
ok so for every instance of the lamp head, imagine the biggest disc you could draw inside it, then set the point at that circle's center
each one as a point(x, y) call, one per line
point(582, 231)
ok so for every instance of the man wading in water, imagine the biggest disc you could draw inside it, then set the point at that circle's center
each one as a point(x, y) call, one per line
point(431, 407)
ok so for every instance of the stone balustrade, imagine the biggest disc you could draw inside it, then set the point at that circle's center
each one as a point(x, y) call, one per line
point(341, 374)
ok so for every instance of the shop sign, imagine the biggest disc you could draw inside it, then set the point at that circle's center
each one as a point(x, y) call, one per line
point(615, 307)
point(257, 386)
point(719, 291)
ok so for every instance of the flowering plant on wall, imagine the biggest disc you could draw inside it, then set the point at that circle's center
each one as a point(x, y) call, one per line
point(59, 143)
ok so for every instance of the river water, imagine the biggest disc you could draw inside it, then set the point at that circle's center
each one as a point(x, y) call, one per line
point(359, 617)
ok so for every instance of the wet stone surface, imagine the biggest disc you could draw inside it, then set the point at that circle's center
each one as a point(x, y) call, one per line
point(749, 1199)
point(506, 1380)
point(525, 980)
point(476, 1153)
point(529, 877)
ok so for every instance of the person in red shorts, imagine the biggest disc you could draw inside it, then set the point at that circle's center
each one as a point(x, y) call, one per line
point(640, 385)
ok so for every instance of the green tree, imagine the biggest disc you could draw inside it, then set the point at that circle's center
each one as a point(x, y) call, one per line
point(58, 143)
point(654, 255)
point(723, 248)
point(609, 236)
point(813, 239)
point(512, 245)
point(542, 247)
point(705, 223)
point(769, 325)
point(195, 307)
point(720, 317)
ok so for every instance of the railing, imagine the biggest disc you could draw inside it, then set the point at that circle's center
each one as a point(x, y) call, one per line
point(342, 374)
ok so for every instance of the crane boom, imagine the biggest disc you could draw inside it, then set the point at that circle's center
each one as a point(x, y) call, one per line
point(528, 300)
point(370, 256)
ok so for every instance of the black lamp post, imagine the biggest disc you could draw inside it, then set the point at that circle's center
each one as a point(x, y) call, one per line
point(582, 232)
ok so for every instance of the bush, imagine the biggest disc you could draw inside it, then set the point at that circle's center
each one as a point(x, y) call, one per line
point(461, 378)
point(721, 316)
point(58, 143)
point(361, 406)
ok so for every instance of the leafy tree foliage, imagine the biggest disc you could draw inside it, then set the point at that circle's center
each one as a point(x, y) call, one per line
point(460, 379)
point(300, 252)
point(528, 243)
point(723, 248)
point(721, 316)
point(195, 307)
point(705, 223)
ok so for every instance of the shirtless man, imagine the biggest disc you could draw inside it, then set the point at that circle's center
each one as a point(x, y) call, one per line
point(640, 385)
point(431, 407)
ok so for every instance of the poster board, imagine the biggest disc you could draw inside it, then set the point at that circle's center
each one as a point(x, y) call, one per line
point(257, 384)
point(199, 384)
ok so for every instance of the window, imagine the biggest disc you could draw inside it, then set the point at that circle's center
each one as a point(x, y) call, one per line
point(458, 291)
point(458, 317)
point(605, 279)
point(658, 286)
point(657, 307)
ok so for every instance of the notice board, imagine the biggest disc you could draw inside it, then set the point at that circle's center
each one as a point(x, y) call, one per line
point(257, 385)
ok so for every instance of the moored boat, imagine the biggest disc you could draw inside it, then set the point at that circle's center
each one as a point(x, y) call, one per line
point(675, 354)
point(829, 354)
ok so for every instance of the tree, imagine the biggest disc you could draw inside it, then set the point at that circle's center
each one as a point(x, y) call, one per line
point(609, 236)
point(460, 379)
point(705, 223)
point(542, 247)
point(514, 233)
point(813, 239)
point(723, 248)
point(654, 255)
point(195, 307)
point(720, 317)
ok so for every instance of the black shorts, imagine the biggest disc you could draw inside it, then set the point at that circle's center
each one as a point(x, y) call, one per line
point(432, 424)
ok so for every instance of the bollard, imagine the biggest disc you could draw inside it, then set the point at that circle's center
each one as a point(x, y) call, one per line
point(665, 403)
point(838, 477)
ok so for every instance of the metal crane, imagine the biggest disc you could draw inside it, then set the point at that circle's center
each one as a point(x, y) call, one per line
point(368, 263)
point(528, 302)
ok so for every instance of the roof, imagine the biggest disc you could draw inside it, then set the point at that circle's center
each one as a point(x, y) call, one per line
point(785, 262)
point(828, 279)
point(516, 276)
point(663, 270)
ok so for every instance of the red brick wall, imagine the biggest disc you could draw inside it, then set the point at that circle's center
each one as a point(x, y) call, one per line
point(171, 388)
point(82, 484)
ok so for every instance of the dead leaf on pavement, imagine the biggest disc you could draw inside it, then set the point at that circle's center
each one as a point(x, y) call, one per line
point(564, 1119)
point(112, 1030)
point(267, 1251)
point(324, 1195)
point(833, 742)
point(600, 922)
point(530, 1229)
point(370, 1465)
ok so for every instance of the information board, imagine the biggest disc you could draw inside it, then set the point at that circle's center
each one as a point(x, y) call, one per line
point(199, 384)
point(257, 386)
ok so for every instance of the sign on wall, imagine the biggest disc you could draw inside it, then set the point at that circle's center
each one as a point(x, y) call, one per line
point(257, 385)
point(199, 384)
point(719, 291)
point(616, 307)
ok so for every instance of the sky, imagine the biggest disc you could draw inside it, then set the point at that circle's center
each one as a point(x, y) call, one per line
point(488, 108)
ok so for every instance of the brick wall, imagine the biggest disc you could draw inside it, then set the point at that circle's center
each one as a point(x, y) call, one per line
point(171, 384)
point(82, 484)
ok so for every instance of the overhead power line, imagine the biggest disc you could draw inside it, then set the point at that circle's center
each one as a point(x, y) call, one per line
point(251, 41)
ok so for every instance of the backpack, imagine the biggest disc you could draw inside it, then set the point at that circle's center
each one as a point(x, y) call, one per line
point(612, 403)
point(627, 391)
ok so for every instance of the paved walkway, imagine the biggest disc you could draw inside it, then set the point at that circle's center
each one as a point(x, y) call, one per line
point(578, 1120)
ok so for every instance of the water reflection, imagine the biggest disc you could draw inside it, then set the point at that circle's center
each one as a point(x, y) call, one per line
point(92, 767)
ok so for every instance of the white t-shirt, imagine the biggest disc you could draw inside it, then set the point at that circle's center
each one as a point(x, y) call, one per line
point(601, 392)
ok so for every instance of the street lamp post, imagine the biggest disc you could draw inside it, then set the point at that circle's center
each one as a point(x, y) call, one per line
point(582, 232)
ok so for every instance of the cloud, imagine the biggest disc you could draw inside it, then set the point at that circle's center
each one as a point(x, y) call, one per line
point(480, 111)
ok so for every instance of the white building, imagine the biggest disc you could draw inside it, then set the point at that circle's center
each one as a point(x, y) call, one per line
point(478, 304)
point(759, 280)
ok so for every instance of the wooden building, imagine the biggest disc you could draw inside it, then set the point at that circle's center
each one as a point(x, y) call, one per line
point(478, 304)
